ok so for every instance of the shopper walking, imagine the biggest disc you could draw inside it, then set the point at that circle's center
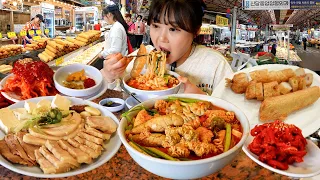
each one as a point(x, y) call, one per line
point(173, 26)
point(304, 43)
point(131, 35)
point(139, 30)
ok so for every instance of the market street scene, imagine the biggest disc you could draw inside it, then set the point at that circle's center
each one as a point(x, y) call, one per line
point(160, 89)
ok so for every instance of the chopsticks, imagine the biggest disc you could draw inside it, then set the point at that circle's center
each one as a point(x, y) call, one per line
point(137, 55)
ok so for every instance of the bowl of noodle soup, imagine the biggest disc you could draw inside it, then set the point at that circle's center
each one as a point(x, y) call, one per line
point(199, 162)
point(152, 87)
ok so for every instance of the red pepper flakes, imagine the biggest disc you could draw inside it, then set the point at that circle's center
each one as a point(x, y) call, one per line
point(88, 83)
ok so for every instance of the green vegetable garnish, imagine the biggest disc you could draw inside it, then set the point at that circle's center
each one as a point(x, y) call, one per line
point(228, 138)
point(185, 100)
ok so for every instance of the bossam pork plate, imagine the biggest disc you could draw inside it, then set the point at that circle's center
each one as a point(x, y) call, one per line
point(307, 119)
point(111, 146)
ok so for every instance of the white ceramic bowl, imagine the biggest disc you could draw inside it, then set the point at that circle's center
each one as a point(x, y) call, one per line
point(130, 101)
point(187, 169)
point(145, 94)
point(116, 100)
point(61, 74)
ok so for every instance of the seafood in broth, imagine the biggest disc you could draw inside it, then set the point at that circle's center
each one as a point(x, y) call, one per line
point(182, 129)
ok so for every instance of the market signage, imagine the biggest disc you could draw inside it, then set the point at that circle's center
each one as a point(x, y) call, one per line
point(221, 21)
point(305, 4)
point(281, 27)
point(265, 4)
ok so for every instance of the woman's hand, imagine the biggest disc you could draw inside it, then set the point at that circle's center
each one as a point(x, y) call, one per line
point(189, 87)
point(113, 66)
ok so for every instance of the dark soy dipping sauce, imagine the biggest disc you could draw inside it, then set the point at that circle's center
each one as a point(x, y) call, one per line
point(111, 104)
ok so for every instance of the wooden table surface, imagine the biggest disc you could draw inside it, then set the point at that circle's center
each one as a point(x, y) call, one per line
point(122, 166)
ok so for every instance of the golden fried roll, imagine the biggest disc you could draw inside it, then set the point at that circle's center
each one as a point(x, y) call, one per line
point(43, 57)
point(294, 83)
point(259, 91)
point(52, 44)
point(289, 73)
point(302, 83)
point(285, 88)
point(251, 90)
point(279, 107)
point(259, 75)
point(309, 79)
point(49, 52)
point(52, 49)
point(139, 62)
point(271, 89)
point(82, 39)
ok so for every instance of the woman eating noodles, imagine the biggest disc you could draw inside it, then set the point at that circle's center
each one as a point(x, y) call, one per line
point(173, 26)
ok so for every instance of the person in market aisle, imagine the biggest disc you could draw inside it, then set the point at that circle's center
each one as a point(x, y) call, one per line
point(32, 25)
point(139, 30)
point(304, 39)
point(173, 26)
point(131, 35)
point(116, 39)
point(146, 36)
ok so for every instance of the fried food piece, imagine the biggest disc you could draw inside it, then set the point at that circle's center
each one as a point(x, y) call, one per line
point(289, 73)
point(158, 124)
point(273, 76)
point(302, 83)
point(271, 89)
point(239, 83)
point(251, 90)
point(259, 75)
point(153, 139)
point(139, 62)
point(285, 88)
point(294, 83)
point(309, 79)
point(279, 107)
point(259, 91)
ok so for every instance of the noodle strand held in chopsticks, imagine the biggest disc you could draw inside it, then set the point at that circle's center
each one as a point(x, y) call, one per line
point(154, 78)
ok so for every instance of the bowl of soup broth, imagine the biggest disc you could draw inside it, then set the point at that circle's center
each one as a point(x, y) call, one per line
point(183, 136)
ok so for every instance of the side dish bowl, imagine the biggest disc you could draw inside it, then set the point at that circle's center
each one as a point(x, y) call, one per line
point(147, 94)
point(61, 75)
point(118, 104)
point(187, 169)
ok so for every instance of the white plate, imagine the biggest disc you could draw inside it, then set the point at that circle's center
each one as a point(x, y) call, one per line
point(16, 98)
point(112, 146)
point(307, 119)
point(308, 168)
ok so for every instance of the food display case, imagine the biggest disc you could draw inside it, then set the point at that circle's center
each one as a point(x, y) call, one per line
point(84, 16)
point(47, 10)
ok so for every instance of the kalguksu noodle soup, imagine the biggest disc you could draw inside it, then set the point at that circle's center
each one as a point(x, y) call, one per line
point(182, 129)
point(154, 78)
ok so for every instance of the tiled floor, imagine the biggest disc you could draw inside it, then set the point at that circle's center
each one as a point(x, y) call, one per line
point(310, 58)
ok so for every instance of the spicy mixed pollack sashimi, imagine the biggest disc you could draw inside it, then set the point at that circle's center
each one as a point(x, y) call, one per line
point(182, 129)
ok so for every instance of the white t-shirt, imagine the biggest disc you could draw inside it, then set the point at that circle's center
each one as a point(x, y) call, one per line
point(115, 40)
point(205, 68)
